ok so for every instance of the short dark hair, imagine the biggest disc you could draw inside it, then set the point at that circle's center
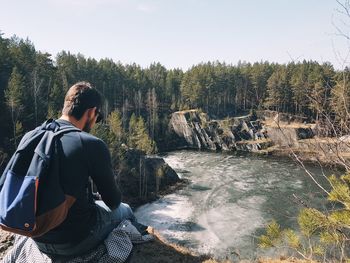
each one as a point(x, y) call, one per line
point(80, 97)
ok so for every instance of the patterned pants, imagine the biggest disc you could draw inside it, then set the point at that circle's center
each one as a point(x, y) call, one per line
point(107, 220)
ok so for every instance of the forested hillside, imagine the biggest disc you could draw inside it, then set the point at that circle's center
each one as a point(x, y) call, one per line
point(33, 84)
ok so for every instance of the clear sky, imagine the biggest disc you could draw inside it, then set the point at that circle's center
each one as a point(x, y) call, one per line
point(180, 33)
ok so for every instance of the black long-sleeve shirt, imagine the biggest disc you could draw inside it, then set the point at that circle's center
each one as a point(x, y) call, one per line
point(82, 156)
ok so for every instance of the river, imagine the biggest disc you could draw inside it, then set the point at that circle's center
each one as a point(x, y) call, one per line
point(229, 201)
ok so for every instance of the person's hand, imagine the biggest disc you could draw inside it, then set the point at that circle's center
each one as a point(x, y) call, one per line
point(97, 196)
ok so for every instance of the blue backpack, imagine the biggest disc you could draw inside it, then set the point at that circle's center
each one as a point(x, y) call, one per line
point(32, 201)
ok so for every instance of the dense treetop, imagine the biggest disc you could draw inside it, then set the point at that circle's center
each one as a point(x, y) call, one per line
point(33, 84)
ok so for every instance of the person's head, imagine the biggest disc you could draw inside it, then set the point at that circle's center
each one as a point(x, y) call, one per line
point(83, 103)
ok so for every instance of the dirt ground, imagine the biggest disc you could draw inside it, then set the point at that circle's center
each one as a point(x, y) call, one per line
point(157, 251)
point(160, 251)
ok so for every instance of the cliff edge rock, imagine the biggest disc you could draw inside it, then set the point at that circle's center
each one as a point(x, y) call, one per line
point(250, 133)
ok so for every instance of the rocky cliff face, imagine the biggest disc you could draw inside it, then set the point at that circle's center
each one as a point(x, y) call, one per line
point(142, 178)
point(194, 129)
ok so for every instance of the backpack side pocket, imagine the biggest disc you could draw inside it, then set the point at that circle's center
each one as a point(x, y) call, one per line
point(18, 202)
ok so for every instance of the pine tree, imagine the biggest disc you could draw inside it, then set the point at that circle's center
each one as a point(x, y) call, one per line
point(323, 234)
point(152, 107)
point(138, 136)
point(115, 123)
point(132, 136)
point(340, 102)
point(14, 99)
point(278, 90)
point(56, 98)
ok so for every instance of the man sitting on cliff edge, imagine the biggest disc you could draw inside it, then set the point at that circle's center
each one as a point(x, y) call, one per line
point(82, 155)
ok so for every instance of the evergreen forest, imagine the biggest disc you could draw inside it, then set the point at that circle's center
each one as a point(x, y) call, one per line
point(139, 101)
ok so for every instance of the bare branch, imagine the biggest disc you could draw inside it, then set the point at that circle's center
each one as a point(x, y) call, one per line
point(297, 158)
point(345, 7)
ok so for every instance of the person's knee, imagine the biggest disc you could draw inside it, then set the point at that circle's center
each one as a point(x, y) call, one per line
point(127, 208)
point(127, 211)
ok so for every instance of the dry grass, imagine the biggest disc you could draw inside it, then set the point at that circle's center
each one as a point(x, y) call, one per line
point(161, 251)
point(263, 140)
point(293, 125)
point(185, 111)
point(285, 260)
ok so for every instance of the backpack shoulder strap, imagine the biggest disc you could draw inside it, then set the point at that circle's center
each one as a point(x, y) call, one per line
point(66, 130)
point(44, 147)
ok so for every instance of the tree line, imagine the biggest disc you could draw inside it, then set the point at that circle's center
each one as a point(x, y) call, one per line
point(33, 85)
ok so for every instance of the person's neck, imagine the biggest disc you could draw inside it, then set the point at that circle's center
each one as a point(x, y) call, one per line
point(77, 123)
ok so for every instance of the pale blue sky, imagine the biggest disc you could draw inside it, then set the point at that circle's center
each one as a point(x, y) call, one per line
point(180, 33)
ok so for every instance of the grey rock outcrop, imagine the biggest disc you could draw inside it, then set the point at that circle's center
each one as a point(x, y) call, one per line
point(284, 136)
point(287, 131)
point(140, 177)
point(194, 129)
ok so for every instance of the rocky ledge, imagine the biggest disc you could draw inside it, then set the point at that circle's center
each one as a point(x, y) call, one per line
point(266, 132)
point(143, 178)
point(194, 129)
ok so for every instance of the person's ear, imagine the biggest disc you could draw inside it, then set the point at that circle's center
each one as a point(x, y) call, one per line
point(91, 113)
